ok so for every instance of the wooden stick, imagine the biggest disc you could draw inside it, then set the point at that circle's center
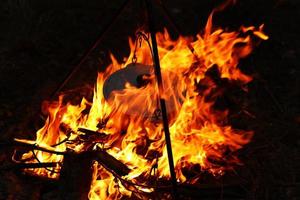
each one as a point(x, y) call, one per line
point(17, 166)
point(17, 143)
point(111, 162)
point(101, 156)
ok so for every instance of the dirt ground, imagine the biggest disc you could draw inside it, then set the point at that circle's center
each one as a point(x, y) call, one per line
point(41, 41)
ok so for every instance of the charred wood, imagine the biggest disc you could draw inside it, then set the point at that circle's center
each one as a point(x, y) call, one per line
point(92, 135)
point(76, 176)
point(101, 156)
point(111, 163)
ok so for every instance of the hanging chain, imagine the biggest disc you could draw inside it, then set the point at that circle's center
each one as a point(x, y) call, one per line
point(134, 58)
point(140, 36)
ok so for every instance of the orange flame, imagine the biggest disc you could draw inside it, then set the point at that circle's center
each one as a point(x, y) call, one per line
point(199, 133)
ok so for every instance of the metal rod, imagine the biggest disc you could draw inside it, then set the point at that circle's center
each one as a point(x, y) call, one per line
point(169, 17)
point(151, 20)
point(89, 51)
point(171, 20)
point(29, 165)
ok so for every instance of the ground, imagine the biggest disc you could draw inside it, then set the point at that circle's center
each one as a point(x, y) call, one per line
point(41, 41)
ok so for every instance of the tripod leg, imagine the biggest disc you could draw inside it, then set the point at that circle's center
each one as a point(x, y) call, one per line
point(89, 51)
point(172, 22)
point(157, 69)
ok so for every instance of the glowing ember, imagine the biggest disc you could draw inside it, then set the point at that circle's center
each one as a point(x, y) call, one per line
point(200, 133)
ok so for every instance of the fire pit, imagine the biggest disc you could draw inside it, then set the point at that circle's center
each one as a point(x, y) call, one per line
point(157, 122)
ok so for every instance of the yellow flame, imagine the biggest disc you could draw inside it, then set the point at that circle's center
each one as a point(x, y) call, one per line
point(137, 140)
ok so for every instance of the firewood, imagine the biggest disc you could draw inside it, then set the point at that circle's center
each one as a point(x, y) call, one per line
point(92, 135)
point(18, 166)
point(111, 163)
point(21, 144)
point(76, 176)
point(101, 156)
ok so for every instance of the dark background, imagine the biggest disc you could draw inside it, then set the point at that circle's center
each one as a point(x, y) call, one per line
point(40, 41)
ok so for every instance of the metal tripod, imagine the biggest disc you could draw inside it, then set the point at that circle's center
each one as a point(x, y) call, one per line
point(152, 30)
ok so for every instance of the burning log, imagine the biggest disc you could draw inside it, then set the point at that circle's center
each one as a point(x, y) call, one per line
point(111, 163)
point(76, 176)
point(101, 156)
point(26, 145)
point(92, 135)
point(77, 171)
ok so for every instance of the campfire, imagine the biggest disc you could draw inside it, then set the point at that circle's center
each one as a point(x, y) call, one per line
point(119, 130)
